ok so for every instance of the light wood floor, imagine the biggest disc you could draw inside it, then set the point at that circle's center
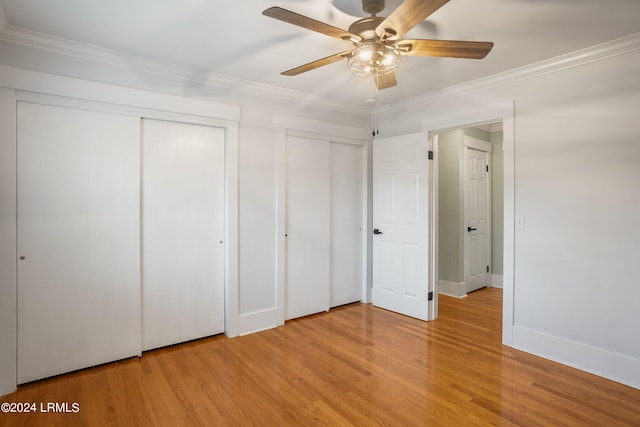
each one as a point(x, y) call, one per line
point(356, 365)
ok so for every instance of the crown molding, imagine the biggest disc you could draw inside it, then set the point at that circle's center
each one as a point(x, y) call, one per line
point(45, 42)
point(578, 58)
point(91, 53)
point(491, 127)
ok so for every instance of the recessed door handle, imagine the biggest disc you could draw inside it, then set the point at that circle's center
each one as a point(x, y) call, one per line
point(470, 229)
point(376, 231)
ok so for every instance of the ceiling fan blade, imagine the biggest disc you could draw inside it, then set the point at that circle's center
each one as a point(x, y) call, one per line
point(386, 81)
point(308, 23)
point(444, 48)
point(409, 14)
point(316, 64)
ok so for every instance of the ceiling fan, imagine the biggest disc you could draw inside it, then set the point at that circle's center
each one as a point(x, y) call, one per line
point(377, 40)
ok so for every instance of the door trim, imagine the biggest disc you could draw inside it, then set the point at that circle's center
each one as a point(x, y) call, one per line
point(468, 118)
point(33, 86)
point(8, 242)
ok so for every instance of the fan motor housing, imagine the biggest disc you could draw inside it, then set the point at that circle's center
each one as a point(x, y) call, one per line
point(366, 27)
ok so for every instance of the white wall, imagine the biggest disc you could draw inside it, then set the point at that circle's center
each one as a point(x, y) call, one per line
point(577, 149)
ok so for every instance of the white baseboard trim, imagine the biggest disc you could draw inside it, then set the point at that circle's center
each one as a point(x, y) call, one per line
point(452, 289)
point(250, 323)
point(497, 281)
point(613, 366)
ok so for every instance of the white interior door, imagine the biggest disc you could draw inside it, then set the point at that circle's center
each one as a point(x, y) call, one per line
point(401, 176)
point(477, 215)
point(307, 257)
point(183, 232)
point(346, 223)
point(78, 239)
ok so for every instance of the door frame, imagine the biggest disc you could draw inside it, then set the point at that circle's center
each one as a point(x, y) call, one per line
point(34, 86)
point(490, 113)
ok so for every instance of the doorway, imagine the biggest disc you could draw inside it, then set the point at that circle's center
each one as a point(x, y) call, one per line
point(470, 201)
point(497, 112)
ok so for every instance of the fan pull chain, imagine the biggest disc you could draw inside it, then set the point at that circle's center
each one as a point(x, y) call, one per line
point(377, 99)
point(375, 119)
point(373, 122)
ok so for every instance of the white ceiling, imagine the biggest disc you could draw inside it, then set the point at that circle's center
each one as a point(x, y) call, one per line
point(234, 39)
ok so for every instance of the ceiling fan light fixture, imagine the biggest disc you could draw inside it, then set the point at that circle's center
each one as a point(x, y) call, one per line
point(374, 58)
point(378, 41)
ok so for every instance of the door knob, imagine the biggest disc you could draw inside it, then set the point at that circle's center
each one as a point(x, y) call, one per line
point(376, 231)
point(470, 229)
point(23, 257)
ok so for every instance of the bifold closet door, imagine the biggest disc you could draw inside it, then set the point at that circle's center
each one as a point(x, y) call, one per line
point(308, 238)
point(78, 239)
point(346, 223)
point(183, 232)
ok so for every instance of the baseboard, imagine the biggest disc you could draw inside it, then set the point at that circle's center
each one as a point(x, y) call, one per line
point(497, 281)
point(613, 366)
point(452, 289)
point(258, 321)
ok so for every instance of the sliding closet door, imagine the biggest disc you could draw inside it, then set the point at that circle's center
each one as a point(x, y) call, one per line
point(183, 232)
point(346, 223)
point(78, 239)
point(308, 248)
point(324, 221)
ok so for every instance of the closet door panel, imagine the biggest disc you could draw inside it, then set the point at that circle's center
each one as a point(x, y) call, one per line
point(346, 223)
point(307, 226)
point(78, 239)
point(183, 232)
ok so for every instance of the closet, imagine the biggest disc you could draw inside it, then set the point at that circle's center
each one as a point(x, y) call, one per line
point(121, 224)
point(324, 223)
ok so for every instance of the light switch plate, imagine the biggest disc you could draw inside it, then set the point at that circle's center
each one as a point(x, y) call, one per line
point(519, 222)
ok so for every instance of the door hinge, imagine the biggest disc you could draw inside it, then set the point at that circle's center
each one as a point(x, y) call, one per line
point(430, 296)
point(487, 168)
point(430, 155)
point(487, 268)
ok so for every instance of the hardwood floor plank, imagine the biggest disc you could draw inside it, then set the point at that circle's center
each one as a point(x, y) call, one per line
point(354, 366)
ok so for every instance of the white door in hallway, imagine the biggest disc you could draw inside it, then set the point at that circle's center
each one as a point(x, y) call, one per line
point(401, 178)
point(78, 239)
point(477, 215)
point(183, 232)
